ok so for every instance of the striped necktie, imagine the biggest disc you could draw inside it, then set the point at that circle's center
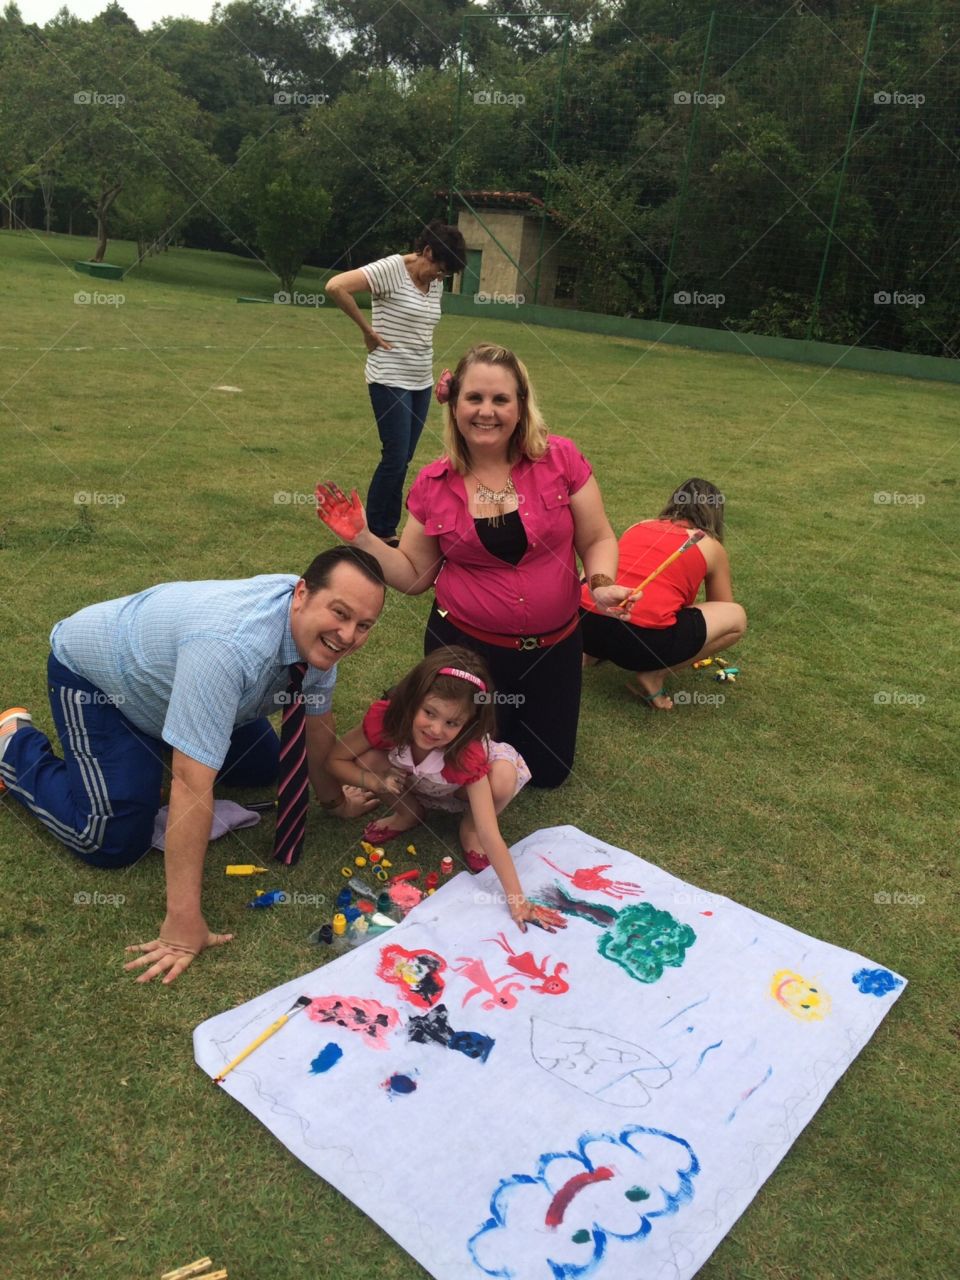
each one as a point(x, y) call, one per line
point(293, 790)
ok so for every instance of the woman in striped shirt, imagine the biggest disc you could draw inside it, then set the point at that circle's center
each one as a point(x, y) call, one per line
point(405, 289)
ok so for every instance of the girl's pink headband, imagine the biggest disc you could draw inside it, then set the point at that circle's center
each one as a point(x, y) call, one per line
point(463, 675)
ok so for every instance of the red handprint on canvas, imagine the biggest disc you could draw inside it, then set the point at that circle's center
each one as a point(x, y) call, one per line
point(592, 878)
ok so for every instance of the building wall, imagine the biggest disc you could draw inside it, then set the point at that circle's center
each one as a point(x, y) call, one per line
point(519, 233)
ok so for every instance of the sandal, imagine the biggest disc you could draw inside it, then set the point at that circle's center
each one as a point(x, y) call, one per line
point(373, 833)
point(476, 862)
point(649, 698)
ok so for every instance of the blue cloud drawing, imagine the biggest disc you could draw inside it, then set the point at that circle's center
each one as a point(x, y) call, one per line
point(558, 1223)
point(875, 982)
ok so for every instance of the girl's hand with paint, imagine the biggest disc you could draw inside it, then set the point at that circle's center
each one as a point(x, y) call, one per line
point(524, 913)
point(356, 802)
point(393, 785)
point(345, 516)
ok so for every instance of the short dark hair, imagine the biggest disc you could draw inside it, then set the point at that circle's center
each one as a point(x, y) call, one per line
point(446, 245)
point(318, 573)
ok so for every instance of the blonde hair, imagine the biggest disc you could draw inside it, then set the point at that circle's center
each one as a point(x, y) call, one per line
point(529, 439)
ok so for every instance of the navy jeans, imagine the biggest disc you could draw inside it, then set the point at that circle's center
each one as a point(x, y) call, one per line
point(101, 798)
point(400, 417)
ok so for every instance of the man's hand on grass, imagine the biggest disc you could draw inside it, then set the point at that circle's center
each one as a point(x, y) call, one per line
point(175, 949)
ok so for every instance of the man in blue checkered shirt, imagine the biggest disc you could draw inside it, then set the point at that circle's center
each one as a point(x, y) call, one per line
point(193, 667)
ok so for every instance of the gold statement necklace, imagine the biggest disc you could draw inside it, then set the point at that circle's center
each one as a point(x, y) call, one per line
point(495, 499)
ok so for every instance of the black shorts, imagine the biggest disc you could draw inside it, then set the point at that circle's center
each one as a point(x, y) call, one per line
point(643, 648)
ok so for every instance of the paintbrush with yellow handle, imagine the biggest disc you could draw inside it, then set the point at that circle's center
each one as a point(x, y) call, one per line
point(300, 1003)
point(629, 601)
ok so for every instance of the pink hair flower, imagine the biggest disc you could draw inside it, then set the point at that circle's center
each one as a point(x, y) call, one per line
point(442, 389)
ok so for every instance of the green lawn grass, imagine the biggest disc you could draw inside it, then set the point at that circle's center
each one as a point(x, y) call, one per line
point(800, 796)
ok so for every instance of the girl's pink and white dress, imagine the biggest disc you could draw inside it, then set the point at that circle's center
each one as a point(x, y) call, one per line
point(438, 784)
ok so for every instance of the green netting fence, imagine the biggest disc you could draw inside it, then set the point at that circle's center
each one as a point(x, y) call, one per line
point(793, 174)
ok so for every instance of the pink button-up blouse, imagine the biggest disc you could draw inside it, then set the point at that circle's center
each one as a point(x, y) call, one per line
point(539, 594)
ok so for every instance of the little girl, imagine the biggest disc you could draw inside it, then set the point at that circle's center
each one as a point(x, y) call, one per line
point(427, 745)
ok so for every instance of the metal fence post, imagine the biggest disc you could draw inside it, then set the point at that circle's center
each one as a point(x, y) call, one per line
point(455, 154)
point(553, 154)
point(686, 168)
point(815, 309)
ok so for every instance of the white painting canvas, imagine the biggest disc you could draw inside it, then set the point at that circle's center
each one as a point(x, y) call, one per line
point(604, 1101)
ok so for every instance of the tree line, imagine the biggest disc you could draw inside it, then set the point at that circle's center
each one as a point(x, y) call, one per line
point(686, 151)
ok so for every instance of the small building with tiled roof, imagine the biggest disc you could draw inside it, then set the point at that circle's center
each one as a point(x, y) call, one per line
point(515, 252)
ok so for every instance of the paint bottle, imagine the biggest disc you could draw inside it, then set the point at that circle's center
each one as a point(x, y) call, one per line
point(432, 880)
point(338, 942)
point(362, 889)
point(350, 914)
point(446, 865)
point(389, 909)
point(244, 869)
point(344, 898)
point(322, 936)
point(268, 899)
point(380, 923)
point(357, 933)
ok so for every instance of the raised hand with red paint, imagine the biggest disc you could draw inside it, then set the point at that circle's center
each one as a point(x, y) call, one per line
point(345, 516)
point(592, 878)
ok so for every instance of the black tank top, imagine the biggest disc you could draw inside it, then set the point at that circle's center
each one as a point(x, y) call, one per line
point(507, 540)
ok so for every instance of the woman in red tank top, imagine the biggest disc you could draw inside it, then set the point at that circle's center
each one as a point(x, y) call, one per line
point(665, 630)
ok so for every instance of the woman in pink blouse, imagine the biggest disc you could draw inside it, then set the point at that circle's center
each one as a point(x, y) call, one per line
point(496, 526)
